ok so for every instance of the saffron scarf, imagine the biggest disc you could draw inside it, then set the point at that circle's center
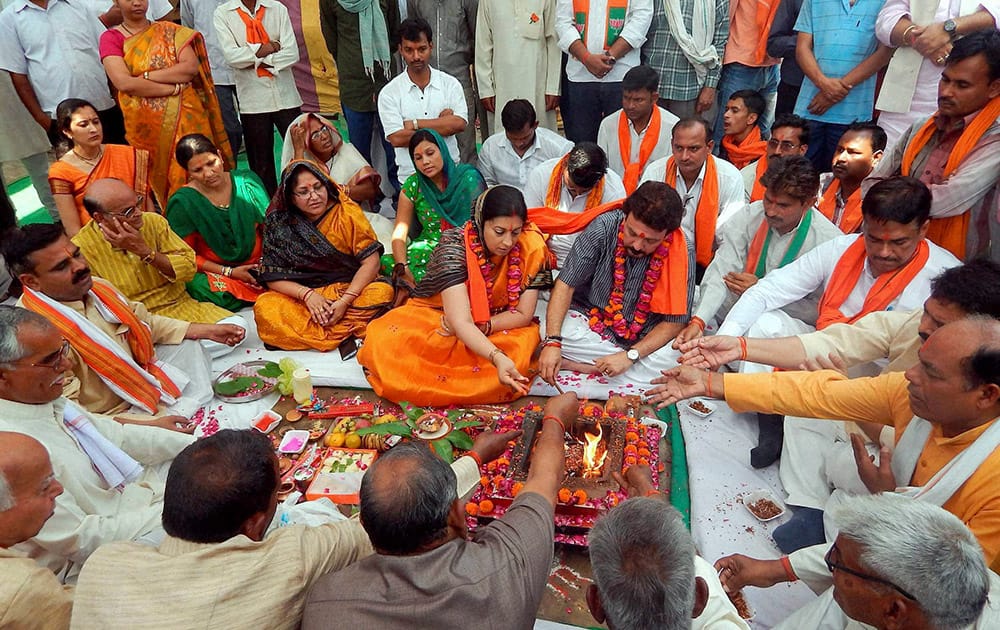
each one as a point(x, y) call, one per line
point(752, 147)
point(554, 193)
point(707, 211)
point(671, 291)
point(138, 379)
point(761, 244)
point(763, 20)
point(757, 192)
point(634, 169)
point(887, 287)
point(950, 232)
point(850, 220)
point(256, 33)
point(552, 221)
point(617, 10)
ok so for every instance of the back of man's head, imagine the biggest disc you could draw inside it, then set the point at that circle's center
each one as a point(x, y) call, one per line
point(20, 243)
point(643, 562)
point(405, 499)
point(518, 114)
point(792, 175)
point(973, 287)
point(587, 164)
point(899, 199)
point(218, 485)
point(921, 548)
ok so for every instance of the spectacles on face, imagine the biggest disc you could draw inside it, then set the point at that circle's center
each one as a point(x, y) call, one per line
point(836, 566)
point(55, 362)
point(129, 212)
point(784, 145)
point(319, 133)
point(305, 193)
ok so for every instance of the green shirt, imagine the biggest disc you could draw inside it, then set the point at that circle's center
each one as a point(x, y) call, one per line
point(340, 30)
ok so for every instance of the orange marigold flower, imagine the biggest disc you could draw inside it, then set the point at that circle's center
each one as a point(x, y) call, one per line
point(565, 495)
point(580, 496)
point(472, 508)
point(497, 480)
point(643, 461)
point(631, 436)
point(612, 499)
point(644, 452)
point(492, 466)
point(631, 460)
point(631, 449)
point(484, 480)
point(516, 488)
point(485, 506)
point(642, 444)
point(503, 461)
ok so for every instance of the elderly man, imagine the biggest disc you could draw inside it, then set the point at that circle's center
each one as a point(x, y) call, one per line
point(640, 131)
point(956, 152)
point(858, 152)
point(789, 136)
point(624, 293)
point(30, 595)
point(114, 363)
point(712, 189)
point(576, 183)
point(424, 568)
point(897, 563)
point(113, 490)
point(646, 571)
point(944, 411)
point(139, 254)
point(510, 155)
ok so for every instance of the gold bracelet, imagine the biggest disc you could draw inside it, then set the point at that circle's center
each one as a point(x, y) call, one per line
point(493, 354)
point(150, 257)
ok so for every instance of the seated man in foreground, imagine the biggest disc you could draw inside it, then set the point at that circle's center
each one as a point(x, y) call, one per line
point(113, 491)
point(30, 595)
point(116, 368)
point(624, 292)
point(944, 411)
point(424, 568)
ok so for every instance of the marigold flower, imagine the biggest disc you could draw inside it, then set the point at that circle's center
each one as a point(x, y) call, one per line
point(580, 496)
point(485, 506)
point(472, 508)
point(565, 495)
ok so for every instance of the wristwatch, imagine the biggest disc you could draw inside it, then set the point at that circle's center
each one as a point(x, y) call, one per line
point(632, 355)
point(950, 28)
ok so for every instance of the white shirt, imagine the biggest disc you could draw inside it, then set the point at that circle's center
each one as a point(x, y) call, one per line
point(259, 95)
point(732, 255)
point(156, 10)
point(607, 138)
point(638, 17)
point(732, 197)
point(57, 48)
point(719, 613)
point(200, 15)
point(401, 100)
point(89, 513)
point(812, 271)
point(500, 164)
point(538, 186)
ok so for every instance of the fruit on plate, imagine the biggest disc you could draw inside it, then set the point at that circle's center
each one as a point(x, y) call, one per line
point(335, 439)
point(352, 440)
point(346, 425)
point(374, 441)
point(386, 417)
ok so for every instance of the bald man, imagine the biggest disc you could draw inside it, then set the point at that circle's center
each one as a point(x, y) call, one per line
point(30, 595)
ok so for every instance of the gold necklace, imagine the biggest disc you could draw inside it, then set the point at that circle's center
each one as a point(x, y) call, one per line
point(92, 161)
point(129, 31)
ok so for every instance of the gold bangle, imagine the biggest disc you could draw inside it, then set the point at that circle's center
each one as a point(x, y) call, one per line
point(493, 354)
point(150, 257)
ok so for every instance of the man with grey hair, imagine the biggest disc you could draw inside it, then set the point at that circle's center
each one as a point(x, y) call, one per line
point(30, 595)
point(424, 570)
point(646, 572)
point(113, 490)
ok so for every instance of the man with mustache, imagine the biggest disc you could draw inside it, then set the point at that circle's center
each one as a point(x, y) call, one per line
point(956, 151)
point(116, 370)
point(113, 490)
point(625, 291)
point(888, 266)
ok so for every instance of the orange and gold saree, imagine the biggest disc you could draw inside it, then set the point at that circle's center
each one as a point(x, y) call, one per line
point(119, 161)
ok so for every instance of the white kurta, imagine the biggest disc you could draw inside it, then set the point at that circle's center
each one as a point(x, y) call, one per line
point(719, 612)
point(607, 138)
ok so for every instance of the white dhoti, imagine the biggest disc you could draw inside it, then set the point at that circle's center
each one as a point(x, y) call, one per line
point(190, 358)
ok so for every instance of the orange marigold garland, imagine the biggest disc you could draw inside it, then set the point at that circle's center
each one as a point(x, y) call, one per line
point(514, 272)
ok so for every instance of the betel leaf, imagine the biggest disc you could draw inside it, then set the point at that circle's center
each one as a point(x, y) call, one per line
point(238, 385)
point(454, 414)
point(410, 411)
point(387, 428)
point(270, 370)
point(460, 439)
point(465, 424)
point(443, 449)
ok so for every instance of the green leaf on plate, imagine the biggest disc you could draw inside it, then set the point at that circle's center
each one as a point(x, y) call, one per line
point(387, 428)
point(464, 424)
point(238, 385)
point(270, 370)
point(460, 439)
point(443, 449)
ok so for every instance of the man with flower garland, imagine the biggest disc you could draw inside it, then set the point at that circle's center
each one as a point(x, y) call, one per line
point(624, 292)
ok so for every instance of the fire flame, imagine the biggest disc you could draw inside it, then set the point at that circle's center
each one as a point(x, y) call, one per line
point(592, 464)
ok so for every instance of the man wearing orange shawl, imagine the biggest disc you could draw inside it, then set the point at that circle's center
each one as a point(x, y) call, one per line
point(624, 293)
point(572, 184)
point(742, 143)
point(956, 152)
point(639, 132)
point(858, 151)
point(789, 136)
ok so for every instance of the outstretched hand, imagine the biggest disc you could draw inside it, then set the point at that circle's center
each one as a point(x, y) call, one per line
point(508, 375)
point(737, 571)
point(708, 353)
point(678, 384)
point(489, 445)
point(832, 361)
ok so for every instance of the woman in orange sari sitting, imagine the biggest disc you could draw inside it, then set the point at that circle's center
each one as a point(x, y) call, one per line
point(471, 315)
point(320, 265)
point(86, 160)
point(165, 90)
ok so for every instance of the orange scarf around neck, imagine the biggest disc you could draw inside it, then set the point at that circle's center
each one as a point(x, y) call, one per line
point(887, 287)
point(951, 232)
point(707, 212)
point(553, 195)
point(633, 170)
point(757, 192)
point(552, 221)
point(752, 148)
point(256, 34)
point(671, 290)
point(850, 220)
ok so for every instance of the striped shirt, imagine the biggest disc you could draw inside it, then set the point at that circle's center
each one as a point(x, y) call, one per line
point(590, 266)
point(678, 81)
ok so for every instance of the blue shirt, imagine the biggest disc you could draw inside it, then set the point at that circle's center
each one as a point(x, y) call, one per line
point(843, 36)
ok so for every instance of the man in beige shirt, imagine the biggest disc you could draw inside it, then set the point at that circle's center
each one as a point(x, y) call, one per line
point(220, 498)
point(30, 595)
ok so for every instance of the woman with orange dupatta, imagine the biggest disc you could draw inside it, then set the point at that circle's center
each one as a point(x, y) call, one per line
point(87, 159)
point(165, 91)
point(468, 332)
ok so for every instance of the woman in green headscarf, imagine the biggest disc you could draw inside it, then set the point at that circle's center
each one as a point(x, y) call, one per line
point(439, 196)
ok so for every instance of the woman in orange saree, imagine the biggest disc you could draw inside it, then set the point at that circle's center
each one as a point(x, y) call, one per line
point(469, 333)
point(165, 91)
point(87, 159)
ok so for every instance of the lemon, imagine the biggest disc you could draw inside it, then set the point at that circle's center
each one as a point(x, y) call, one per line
point(335, 439)
point(353, 440)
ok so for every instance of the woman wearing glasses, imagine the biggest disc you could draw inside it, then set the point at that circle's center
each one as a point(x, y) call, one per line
point(87, 159)
point(220, 215)
point(320, 265)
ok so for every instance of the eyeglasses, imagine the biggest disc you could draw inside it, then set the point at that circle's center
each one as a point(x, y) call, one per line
point(832, 566)
point(306, 193)
point(56, 361)
point(319, 133)
point(785, 145)
point(129, 212)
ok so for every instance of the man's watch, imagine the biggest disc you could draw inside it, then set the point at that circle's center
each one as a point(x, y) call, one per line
point(632, 355)
point(950, 28)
